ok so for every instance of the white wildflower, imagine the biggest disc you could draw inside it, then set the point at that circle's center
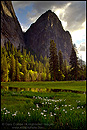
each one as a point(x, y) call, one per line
point(69, 105)
point(54, 114)
point(65, 105)
point(28, 113)
point(70, 109)
point(63, 109)
point(4, 108)
point(37, 106)
point(44, 110)
point(33, 96)
point(78, 107)
point(82, 112)
point(42, 113)
point(14, 114)
point(82, 106)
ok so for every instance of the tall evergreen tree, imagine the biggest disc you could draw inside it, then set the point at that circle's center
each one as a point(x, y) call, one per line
point(53, 60)
point(74, 64)
point(65, 71)
point(12, 68)
point(60, 60)
point(17, 76)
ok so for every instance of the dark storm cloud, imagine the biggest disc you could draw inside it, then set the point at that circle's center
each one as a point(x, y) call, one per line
point(74, 14)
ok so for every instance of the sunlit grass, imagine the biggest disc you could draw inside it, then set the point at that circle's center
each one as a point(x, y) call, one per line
point(69, 85)
point(58, 110)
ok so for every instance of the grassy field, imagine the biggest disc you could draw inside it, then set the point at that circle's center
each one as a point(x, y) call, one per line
point(71, 85)
point(36, 110)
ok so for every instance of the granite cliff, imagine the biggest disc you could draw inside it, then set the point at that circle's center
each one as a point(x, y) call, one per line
point(10, 27)
point(37, 38)
point(47, 27)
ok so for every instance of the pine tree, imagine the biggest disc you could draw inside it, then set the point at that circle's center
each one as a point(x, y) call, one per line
point(17, 76)
point(74, 64)
point(65, 71)
point(12, 68)
point(53, 60)
point(60, 60)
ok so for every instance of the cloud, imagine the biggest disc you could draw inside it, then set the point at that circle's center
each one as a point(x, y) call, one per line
point(82, 51)
point(71, 12)
point(82, 47)
point(79, 35)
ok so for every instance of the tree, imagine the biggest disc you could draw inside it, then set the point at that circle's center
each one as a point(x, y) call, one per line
point(17, 76)
point(65, 71)
point(24, 69)
point(12, 68)
point(60, 60)
point(53, 60)
point(4, 69)
point(74, 64)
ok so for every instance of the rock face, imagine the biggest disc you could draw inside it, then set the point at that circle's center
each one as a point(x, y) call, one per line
point(10, 27)
point(48, 27)
point(37, 37)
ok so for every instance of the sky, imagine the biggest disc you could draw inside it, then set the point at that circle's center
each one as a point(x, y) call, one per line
point(72, 14)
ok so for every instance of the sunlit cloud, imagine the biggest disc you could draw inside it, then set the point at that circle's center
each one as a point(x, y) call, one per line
point(78, 35)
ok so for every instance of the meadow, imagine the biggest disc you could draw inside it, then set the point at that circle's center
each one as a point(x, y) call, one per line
point(44, 110)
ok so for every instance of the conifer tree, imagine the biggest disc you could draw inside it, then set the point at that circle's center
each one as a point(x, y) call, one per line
point(17, 76)
point(65, 69)
point(74, 64)
point(12, 68)
point(53, 60)
point(60, 60)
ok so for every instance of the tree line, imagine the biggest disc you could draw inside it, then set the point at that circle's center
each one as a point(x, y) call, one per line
point(59, 68)
point(18, 65)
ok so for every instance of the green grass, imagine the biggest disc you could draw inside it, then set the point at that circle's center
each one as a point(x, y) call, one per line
point(62, 110)
point(69, 85)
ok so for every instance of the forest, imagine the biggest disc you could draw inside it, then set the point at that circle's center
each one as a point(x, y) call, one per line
point(19, 65)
